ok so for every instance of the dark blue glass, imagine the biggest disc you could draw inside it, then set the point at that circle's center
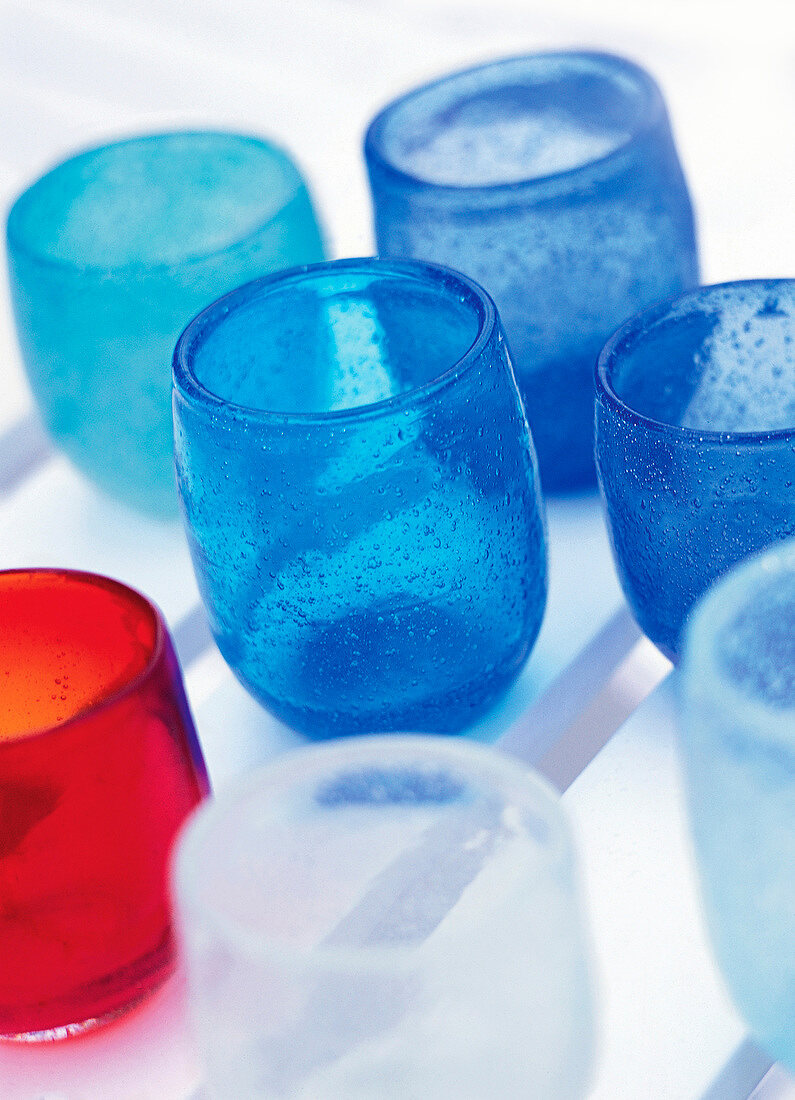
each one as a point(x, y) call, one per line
point(361, 495)
point(695, 443)
point(110, 255)
point(553, 180)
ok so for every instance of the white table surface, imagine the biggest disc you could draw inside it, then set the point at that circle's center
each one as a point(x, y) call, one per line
point(310, 73)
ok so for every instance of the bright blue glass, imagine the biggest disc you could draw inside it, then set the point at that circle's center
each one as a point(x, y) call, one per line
point(695, 443)
point(553, 180)
point(738, 741)
point(361, 496)
point(111, 253)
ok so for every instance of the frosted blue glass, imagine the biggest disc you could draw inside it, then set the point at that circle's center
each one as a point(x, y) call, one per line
point(553, 180)
point(110, 255)
point(738, 741)
point(695, 443)
point(361, 496)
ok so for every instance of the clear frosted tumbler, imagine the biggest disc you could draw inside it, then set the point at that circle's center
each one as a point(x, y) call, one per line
point(386, 917)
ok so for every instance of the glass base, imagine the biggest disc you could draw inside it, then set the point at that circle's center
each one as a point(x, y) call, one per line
point(71, 1031)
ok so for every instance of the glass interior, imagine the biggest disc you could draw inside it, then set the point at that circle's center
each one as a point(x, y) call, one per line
point(66, 643)
point(154, 200)
point(756, 648)
point(721, 360)
point(335, 340)
point(521, 119)
point(369, 854)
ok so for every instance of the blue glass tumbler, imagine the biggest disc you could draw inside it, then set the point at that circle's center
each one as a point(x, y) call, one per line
point(361, 496)
point(738, 741)
point(111, 253)
point(695, 443)
point(553, 180)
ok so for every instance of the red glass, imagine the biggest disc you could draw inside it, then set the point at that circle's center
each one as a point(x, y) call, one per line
point(99, 767)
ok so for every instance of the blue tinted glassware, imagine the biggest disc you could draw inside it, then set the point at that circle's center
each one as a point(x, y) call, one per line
point(111, 253)
point(553, 180)
point(695, 443)
point(738, 743)
point(361, 497)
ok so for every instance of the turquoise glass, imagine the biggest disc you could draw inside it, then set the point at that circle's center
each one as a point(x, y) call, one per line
point(739, 752)
point(110, 255)
point(361, 496)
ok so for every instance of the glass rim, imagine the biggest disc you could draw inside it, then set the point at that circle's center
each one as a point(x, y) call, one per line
point(133, 685)
point(484, 764)
point(702, 675)
point(199, 396)
point(653, 111)
point(20, 243)
point(631, 332)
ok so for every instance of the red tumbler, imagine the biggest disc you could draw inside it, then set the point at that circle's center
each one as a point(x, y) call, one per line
point(99, 767)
